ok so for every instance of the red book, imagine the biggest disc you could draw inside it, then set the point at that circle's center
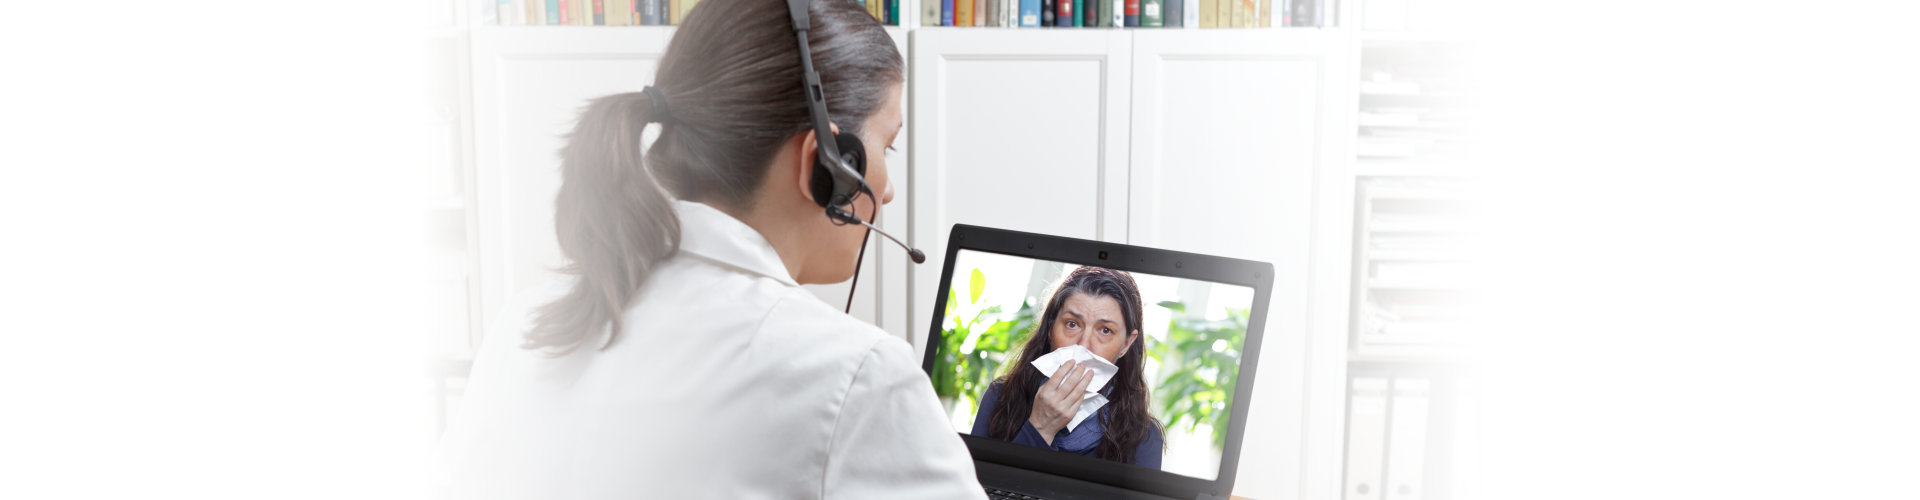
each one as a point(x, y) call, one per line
point(1131, 17)
point(599, 14)
point(1063, 13)
point(566, 12)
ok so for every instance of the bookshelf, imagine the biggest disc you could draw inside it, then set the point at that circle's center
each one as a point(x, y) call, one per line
point(1411, 218)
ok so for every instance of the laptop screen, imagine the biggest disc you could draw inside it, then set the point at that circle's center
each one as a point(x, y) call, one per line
point(1159, 357)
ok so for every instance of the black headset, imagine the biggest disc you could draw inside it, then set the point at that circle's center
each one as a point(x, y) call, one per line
point(840, 169)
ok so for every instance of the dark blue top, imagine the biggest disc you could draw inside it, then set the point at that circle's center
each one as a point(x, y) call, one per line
point(1082, 440)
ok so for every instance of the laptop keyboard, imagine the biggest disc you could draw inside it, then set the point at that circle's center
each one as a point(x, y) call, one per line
point(1000, 494)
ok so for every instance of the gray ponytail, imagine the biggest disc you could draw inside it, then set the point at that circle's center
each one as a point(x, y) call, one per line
point(614, 221)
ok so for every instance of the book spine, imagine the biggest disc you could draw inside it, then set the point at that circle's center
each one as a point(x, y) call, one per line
point(599, 13)
point(979, 12)
point(650, 12)
point(1222, 13)
point(1047, 11)
point(1190, 16)
point(1029, 13)
point(1266, 13)
point(1238, 13)
point(1117, 13)
point(1089, 13)
point(893, 12)
point(1102, 11)
point(993, 12)
point(1150, 13)
point(1132, 16)
point(566, 12)
point(552, 13)
point(947, 13)
point(1079, 13)
point(1171, 13)
point(1063, 13)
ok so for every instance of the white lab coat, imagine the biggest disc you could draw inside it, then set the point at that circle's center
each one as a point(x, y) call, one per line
point(729, 381)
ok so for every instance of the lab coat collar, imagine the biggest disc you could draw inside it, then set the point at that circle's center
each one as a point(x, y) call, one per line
point(707, 232)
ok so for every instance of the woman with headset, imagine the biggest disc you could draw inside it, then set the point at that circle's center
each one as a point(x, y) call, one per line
point(681, 359)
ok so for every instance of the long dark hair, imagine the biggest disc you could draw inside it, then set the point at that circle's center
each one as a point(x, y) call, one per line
point(1126, 421)
point(731, 80)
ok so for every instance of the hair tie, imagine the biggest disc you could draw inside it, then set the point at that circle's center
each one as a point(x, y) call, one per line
point(661, 114)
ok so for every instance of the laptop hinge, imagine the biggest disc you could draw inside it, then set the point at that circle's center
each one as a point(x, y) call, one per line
point(1207, 496)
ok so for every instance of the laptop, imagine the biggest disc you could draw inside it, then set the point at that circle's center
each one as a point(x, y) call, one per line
point(1178, 335)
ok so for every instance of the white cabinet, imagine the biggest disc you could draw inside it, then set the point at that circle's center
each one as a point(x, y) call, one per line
point(1232, 130)
point(1209, 141)
point(1016, 129)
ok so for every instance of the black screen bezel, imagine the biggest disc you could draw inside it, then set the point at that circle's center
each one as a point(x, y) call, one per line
point(1073, 251)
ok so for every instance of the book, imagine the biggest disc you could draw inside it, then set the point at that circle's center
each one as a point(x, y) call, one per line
point(552, 14)
point(1171, 13)
point(893, 12)
point(650, 12)
point(1206, 13)
point(599, 13)
point(1029, 13)
point(1236, 13)
point(963, 12)
point(673, 11)
point(1131, 18)
point(947, 12)
point(1407, 438)
point(1064, 16)
point(1266, 13)
point(1366, 438)
point(1116, 13)
point(1252, 13)
point(993, 12)
point(930, 13)
point(1190, 15)
point(1223, 13)
point(1079, 13)
point(1047, 12)
point(1102, 14)
point(1150, 13)
point(979, 12)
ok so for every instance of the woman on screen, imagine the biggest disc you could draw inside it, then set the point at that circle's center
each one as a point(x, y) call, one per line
point(1099, 309)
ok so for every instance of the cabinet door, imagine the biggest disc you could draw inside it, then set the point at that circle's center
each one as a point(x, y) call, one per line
point(1230, 128)
point(1016, 129)
point(529, 85)
point(883, 281)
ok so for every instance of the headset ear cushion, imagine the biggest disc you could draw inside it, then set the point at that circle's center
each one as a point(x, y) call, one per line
point(853, 152)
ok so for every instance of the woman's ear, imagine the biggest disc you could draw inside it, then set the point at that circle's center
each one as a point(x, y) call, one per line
point(809, 151)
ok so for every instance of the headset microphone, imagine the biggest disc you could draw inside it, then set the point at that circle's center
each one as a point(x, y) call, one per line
point(844, 216)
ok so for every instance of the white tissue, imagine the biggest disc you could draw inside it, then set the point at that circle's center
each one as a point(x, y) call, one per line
point(1103, 371)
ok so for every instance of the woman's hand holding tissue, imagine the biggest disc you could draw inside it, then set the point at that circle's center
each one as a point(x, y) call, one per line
point(1059, 399)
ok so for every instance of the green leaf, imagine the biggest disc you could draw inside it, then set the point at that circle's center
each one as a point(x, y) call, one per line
point(1176, 306)
point(976, 284)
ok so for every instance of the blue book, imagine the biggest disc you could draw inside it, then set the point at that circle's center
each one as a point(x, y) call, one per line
point(553, 12)
point(946, 12)
point(1079, 13)
point(650, 12)
point(1029, 13)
